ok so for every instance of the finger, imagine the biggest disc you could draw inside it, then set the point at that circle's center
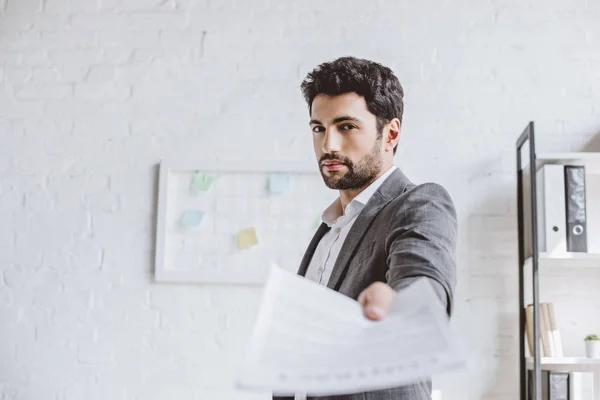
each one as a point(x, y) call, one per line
point(376, 300)
point(361, 297)
point(374, 313)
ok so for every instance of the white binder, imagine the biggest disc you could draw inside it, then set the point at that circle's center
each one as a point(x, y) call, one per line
point(581, 386)
point(551, 207)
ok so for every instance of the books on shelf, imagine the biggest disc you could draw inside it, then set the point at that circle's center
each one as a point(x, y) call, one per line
point(550, 339)
point(554, 332)
point(561, 200)
point(558, 385)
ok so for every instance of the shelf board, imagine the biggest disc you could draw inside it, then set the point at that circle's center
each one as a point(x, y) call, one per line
point(581, 155)
point(566, 361)
point(570, 256)
point(590, 159)
point(570, 259)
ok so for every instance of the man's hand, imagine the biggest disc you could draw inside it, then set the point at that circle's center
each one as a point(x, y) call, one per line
point(376, 300)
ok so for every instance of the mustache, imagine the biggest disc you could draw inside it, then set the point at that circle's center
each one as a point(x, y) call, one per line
point(335, 157)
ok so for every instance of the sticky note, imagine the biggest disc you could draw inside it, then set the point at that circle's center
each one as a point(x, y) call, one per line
point(191, 218)
point(247, 238)
point(278, 182)
point(202, 182)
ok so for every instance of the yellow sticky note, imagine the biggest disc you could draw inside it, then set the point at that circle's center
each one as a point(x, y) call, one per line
point(247, 238)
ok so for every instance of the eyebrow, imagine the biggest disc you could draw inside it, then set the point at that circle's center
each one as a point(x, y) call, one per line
point(335, 121)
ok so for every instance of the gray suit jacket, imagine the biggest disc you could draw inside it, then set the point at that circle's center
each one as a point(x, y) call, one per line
point(404, 232)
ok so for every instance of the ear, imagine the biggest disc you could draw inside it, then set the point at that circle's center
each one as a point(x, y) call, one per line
point(393, 134)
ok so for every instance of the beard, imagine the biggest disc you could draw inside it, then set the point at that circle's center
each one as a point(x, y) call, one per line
point(358, 176)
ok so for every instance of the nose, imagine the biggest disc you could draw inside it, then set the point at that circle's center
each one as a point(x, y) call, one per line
point(332, 141)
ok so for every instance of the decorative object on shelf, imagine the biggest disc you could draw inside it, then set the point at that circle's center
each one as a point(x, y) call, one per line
point(592, 346)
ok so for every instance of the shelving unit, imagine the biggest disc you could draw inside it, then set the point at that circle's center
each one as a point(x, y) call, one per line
point(530, 259)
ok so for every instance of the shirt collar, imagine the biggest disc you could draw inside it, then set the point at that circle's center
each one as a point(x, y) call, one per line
point(334, 211)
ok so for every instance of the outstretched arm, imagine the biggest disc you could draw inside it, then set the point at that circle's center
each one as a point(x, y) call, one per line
point(420, 244)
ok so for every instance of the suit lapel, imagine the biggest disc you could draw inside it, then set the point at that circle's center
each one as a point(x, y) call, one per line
point(310, 251)
point(355, 235)
point(391, 187)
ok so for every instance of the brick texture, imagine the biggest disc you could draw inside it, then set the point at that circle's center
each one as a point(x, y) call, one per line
point(96, 92)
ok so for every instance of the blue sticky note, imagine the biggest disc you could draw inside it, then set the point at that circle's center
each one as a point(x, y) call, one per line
point(279, 182)
point(191, 218)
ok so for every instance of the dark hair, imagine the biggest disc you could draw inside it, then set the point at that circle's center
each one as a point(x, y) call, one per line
point(378, 85)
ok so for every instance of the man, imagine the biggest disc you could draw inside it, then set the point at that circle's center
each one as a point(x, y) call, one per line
point(383, 232)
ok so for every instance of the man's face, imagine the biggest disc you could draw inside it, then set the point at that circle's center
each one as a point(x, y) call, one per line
point(347, 145)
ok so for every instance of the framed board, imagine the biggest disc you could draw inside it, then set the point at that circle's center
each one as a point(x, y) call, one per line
point(227, 222)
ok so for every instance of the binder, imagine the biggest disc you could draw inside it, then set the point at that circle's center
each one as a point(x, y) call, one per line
point(558, 385)
point(555, 385)
point(581, 386)
point(551, 193)
point(575, 208)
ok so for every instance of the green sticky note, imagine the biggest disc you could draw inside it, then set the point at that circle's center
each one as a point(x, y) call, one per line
point(278, 182)
point(202, 182)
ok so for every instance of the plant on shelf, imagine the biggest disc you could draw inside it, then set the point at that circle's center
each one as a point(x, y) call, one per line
point(592, 346)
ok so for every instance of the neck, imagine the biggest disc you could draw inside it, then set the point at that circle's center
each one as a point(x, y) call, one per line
point(347, 195)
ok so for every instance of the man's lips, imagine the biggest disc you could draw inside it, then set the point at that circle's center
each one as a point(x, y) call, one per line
point(333, 165)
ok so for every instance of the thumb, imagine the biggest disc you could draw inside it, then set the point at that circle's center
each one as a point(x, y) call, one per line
point(376, 300)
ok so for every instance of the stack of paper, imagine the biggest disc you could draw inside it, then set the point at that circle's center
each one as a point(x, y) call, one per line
point(311, 339)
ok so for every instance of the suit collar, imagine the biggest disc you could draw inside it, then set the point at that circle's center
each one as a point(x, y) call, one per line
point(391, 188)
point(335, 211)
point(394, 185)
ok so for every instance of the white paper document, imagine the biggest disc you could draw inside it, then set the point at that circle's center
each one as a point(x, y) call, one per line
point(311, 339)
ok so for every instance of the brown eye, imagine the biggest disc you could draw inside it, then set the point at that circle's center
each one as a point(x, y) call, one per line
point(347, 127)
point(318, 129)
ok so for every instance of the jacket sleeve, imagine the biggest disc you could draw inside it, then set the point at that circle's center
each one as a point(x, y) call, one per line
point(422, 241)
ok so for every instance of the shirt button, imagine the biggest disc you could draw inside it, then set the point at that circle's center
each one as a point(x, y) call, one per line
point(337, 230)
point(321, 269)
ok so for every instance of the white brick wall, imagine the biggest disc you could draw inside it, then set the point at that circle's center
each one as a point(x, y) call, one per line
point(96, 92)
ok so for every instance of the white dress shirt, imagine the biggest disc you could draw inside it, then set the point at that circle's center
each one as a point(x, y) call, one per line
point(340, 222)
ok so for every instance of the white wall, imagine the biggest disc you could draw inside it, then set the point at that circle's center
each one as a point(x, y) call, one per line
point(96, 92)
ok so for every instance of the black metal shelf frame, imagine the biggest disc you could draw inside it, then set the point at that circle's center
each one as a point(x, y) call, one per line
point(528, 136)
